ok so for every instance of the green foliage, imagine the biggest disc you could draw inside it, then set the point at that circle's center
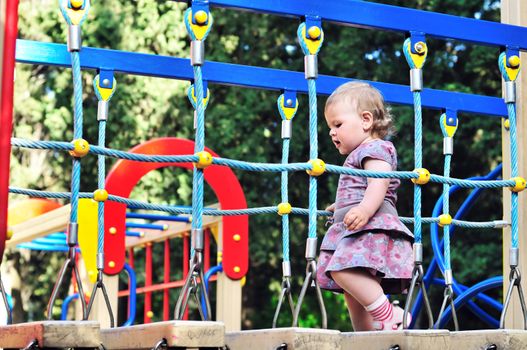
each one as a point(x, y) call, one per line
point(144, 108)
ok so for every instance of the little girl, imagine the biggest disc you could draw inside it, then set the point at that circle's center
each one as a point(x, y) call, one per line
point(367, 251)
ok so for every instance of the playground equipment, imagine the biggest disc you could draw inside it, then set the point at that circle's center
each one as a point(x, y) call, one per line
point(199, 21)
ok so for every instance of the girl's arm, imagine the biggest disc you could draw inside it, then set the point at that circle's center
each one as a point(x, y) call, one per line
point(359, 215)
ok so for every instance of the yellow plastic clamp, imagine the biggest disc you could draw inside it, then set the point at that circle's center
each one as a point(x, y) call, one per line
point(520, 184)
point(81, 148)
point(422, 50)
point(313, 45)
point(205, 159)
point(100, 195)
point(289, 112)
point(193, 94)
point(201, 17)
point(424, 176)
point(506, 124)
point(199, 29)
point(105, 93)
point(512, 72)
point(76, 4)
point(284, 208)
point(76, 13)
point(314, 32)
point(318, 167)
point(445, 219)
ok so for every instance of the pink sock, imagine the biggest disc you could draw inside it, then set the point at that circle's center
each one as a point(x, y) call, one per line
point(381, 309)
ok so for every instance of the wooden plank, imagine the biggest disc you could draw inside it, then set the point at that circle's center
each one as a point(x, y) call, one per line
point(191, 334)
point(293, 338)
point(51, 334)
point(483, 339)
point(50, 222)
point(407, 340)
point(515, 12)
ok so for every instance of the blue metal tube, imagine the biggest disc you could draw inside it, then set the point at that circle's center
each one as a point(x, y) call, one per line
point(133, 234)
point(34, 52)
point(133, 295)
point(43, 247)
point(158, 217)
point(146, 226)
point(365, 14)
point(212, 271)
point(66, 304)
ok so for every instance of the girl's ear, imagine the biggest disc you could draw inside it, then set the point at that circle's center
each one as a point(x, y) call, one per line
point(367, 120)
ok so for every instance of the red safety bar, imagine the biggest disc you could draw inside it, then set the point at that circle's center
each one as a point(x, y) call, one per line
point(126, 174)
point(6, 110)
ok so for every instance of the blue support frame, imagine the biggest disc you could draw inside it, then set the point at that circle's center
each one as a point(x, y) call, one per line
point(387, 17)
point(34, 52)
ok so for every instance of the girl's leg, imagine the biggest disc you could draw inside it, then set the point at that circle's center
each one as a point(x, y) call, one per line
point(360, 318)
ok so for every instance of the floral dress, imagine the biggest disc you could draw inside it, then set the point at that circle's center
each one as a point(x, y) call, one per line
point(384, 245)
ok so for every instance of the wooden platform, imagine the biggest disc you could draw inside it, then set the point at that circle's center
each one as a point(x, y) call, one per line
point(407, 340)
point(182, 334)
point(293, 338)
point(512, 339)
point(51, 334)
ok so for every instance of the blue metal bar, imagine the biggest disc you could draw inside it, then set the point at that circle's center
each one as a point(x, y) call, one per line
point(34, 52)
point(365, 14)
point(133, 234)
point(66, 304)
point(50, 241)
point(43, 247)
point(146, 226)
point(212, 271)
point(133, 294)
point(157, 217)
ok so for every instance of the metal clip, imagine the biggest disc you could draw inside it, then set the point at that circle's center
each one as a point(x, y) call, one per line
point(448, 277)
point(286, 291)
point(74, 38)
point(102, 110)
point(417, 282)
point(448, 298)
point(311, 248)
point(287, 128)
point(514, 257)
point(73, 234)
point(510, 91)
point(286, 268)
point(448, 145)
point(197, 52)
point(418, 252)
point(416, 79)
point(197, 239)
point(500, 223)
point(100, 261)
point(311, 273)
point(311, 66)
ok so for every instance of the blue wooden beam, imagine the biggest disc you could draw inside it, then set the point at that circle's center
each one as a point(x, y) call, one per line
point(34, 52)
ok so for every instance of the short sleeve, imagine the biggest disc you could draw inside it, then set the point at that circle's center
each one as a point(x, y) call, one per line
point(381, 150)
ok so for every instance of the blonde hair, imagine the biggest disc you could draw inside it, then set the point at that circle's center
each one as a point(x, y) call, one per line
point(365, 97)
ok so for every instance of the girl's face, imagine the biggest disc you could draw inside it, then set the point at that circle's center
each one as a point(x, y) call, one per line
point(347, 128)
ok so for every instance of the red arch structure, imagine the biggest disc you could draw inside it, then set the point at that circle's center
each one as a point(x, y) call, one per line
point(126, 174)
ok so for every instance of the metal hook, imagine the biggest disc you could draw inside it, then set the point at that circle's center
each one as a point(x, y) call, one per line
point(96, 286)
point(448, 297)
point(311, 272)
point(162, 344)
point(69, 263)
point(6, 303)
point(33, 345)
point(514, 281)
point(286, 290)
point(192, 286)
point(417, 281)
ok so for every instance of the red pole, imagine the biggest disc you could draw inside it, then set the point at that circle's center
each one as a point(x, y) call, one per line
point(148, 282)
point(166, 291)
point(6, 111)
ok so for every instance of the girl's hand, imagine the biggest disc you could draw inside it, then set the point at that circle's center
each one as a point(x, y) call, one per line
point(331, 208)
point(356, 218)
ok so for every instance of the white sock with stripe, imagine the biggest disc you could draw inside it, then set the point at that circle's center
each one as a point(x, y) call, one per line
point(381, 309)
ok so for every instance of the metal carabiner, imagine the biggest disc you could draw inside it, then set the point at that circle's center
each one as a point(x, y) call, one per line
point(311, 273)
point(417, 281)
point(448, 298)
point(514, 281)
point(162, 344)
point(96, 286)
point(286, 290)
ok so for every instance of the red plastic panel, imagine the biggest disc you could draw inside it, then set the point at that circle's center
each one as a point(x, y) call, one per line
point(126, 174)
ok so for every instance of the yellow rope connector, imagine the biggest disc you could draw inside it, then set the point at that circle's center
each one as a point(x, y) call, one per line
point(420, 47)
point(318, 167)
point(514, 61)
point(424, 176)
point(201, 17)
point(9, 233)
point(506, 124)
point(284, 208)
point(445, 219)
point(76, 4)
point(519, 184)
point(81, 148)
point(314, 32)
point(205, 159)
point(100, 195)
